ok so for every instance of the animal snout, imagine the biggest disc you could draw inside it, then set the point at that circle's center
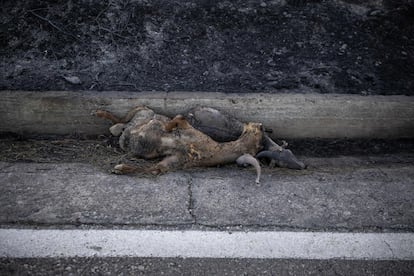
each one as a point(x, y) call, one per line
point(284, 159)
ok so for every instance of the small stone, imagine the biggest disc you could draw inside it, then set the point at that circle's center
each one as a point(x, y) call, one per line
point(287, 15)
point(141, 268)
point(72, 79)
point(375, 13)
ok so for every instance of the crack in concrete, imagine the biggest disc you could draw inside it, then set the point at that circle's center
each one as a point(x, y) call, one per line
point(190, 203)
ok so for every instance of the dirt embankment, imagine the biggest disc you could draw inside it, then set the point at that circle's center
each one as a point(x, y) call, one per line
point(349, 46)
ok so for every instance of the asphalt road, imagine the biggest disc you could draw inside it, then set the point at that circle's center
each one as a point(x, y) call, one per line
point(180, 266)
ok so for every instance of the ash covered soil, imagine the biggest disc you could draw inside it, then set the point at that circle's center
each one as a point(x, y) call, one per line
point(104, 151)
point(348, 46)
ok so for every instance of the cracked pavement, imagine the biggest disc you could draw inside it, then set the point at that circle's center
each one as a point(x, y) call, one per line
point(370, 193)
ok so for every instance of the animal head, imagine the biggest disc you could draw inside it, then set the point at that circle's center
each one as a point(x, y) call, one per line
point(283, 158)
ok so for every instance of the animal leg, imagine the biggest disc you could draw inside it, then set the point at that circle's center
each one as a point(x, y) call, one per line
point(165, 165)
point(126, 169)
point(168, 163)
point(247, 159)
point(107, 115)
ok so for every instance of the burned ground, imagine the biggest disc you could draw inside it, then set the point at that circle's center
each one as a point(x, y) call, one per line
point(360, 47)
point(104, 152)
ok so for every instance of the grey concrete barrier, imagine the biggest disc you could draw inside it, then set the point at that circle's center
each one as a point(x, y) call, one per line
point(289, 115)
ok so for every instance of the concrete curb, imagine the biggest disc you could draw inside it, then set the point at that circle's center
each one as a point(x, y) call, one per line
point(289, 115)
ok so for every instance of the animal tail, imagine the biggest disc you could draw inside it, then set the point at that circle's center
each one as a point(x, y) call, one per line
point(247, 159)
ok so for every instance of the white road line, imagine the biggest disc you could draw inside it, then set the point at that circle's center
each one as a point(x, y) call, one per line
point(24, 243)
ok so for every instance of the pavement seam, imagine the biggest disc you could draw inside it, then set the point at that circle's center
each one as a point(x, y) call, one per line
point(201, 226)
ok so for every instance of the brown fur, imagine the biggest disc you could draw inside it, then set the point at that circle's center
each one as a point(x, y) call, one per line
point(181, 145)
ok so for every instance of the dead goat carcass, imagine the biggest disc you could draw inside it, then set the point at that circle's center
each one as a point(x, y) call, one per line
point(149, 135)
point(223, 128)
point(203, 137)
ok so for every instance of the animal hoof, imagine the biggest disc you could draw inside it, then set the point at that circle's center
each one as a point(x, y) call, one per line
point(116, 172)
point(117, 129)
point(119, 169)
